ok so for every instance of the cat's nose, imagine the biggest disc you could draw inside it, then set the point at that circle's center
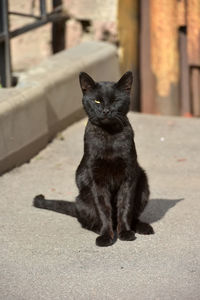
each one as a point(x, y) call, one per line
point(105, 111)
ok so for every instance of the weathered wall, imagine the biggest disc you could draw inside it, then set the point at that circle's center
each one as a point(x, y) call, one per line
point(31, 48)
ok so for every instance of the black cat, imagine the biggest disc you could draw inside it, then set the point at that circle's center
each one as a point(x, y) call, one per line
point(113, 188)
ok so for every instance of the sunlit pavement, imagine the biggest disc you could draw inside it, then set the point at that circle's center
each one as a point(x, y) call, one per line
point(46, 255)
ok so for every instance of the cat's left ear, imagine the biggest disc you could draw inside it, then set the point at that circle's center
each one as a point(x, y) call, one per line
point(125, 82)
point(86, 82)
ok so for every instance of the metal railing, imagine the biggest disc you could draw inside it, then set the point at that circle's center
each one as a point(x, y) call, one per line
point(56, 17)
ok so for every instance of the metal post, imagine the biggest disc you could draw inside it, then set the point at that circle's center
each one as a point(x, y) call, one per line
point(43, 8)
point(5, 60)
point(58, 29)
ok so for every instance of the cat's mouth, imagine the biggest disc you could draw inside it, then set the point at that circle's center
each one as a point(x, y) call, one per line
point(106, 120)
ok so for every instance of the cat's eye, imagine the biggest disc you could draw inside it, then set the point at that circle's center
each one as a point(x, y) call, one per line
point(97, 101)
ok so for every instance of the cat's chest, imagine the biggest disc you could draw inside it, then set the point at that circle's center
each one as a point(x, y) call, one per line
point(109, 157)
point(110, 148)
point(109, 162)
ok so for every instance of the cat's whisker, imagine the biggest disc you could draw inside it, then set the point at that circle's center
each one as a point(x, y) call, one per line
point(125, 120)
point(92, 119)
point(119, 120)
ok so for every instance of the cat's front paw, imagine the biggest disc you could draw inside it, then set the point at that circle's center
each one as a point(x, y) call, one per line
point(144, 228)
point(104, 240)
point(127, 235)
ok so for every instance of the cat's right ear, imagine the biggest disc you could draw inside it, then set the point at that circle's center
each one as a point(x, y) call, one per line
point(125, 82)
point(86, 82)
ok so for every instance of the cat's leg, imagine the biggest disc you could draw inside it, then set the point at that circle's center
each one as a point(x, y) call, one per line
point(104, 208)
point(124, 218)
point(141, 199)
point(87, 213)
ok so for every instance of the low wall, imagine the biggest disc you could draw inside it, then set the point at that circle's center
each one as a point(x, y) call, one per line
point(48, 98)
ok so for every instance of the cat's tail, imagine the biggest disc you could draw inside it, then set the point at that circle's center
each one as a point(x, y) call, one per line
point(60, 206)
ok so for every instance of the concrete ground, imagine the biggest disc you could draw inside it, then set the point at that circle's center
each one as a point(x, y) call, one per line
point(46, 255)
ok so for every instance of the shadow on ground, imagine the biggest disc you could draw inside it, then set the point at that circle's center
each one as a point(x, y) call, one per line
point(157, 209)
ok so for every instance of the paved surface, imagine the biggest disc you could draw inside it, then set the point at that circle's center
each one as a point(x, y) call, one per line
point(46, 255)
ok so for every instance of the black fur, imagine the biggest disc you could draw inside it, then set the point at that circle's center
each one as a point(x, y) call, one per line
point(113, 188)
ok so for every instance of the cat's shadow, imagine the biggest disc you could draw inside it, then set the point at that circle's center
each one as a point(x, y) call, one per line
point(157, 209)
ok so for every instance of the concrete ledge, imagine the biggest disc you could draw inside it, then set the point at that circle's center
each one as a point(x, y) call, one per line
point(48, 98)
